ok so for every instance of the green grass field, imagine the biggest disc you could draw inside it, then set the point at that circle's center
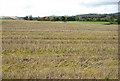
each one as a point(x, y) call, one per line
point(89, 22)
point(58, 50)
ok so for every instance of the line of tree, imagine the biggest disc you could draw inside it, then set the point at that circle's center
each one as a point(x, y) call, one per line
point(28, 18)
point(86, 17)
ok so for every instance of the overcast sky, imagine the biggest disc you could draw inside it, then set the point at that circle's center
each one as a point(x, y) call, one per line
point(56, 7)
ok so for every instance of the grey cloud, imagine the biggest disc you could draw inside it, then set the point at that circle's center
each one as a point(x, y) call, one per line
point(99, 4)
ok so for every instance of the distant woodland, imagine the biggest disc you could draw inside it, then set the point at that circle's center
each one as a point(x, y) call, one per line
point(84, 17)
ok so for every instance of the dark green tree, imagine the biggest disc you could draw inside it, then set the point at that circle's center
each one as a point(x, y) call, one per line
point(30, 17)
point(26, 18)
point(63, 18)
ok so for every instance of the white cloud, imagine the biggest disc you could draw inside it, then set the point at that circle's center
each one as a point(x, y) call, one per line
point(56, 7)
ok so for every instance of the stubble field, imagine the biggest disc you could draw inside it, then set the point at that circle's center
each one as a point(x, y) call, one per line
point(58, 50)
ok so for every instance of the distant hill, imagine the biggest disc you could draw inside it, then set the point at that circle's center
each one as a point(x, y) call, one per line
point(95, 14)
point(10, 18)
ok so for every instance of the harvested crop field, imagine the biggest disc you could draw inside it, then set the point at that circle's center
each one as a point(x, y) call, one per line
point(58, 50)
